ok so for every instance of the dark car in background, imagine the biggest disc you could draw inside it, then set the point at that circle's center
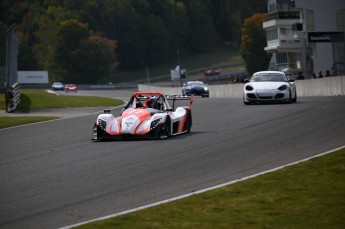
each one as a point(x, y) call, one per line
point(195, 88)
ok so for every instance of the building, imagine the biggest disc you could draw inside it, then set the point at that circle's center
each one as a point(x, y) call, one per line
point(306, 36)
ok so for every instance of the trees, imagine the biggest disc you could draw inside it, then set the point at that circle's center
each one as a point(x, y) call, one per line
point(126, 26)
point(81, 57)
point(202, 34)
point(253, 43)
point(46, 37)
point(3, 29)
point(69, 35)
point(228, 16)
point(93, 60)
point(147, 32)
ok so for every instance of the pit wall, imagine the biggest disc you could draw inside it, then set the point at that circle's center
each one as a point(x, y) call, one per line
point(330, 86)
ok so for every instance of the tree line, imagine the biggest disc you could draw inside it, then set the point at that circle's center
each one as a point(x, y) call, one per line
point(83, 41)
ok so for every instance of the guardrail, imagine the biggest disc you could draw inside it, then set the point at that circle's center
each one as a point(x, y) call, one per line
point(12, 97)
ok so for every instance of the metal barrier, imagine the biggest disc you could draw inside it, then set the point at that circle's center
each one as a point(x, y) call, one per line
point(12, 97)
point(330, 86)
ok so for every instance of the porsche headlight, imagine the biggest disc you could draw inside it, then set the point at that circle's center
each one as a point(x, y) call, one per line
point(249, 88)
point(282, 87)
point(205, 88)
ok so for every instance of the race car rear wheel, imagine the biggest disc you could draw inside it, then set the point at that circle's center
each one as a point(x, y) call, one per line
point(188, 122)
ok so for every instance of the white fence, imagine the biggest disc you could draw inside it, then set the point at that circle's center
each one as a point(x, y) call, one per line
point(330, 86)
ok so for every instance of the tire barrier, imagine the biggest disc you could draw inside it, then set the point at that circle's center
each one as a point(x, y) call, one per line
point(12, 97)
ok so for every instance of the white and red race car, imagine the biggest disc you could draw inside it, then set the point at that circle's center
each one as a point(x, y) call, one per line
point(146, 115)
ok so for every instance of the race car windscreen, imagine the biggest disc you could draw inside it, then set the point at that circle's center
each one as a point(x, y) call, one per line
point(263, 77)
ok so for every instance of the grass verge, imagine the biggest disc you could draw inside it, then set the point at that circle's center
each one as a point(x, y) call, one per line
point(307, 195)
point(42, 99)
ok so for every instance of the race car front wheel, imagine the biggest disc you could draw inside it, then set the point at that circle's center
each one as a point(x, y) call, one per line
point(94, 132)
point(165, 130)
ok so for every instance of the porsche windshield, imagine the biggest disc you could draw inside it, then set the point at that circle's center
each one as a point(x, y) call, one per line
point(263, 77)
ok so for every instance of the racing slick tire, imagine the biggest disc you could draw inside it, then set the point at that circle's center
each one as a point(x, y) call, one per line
point(290, 97)
point(165, 130)
point(189, 121)
point(244, 101)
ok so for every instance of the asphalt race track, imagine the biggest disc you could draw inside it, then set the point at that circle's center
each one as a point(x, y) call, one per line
point(52, 175)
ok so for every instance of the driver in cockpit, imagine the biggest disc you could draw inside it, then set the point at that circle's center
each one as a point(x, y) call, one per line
point(153, 103)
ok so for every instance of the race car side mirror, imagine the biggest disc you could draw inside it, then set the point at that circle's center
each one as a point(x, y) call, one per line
point(106, 111)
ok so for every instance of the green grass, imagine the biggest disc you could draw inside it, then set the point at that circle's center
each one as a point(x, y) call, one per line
point(307, 195)
point(226, 54)
point(42, 99)
point(16, 121)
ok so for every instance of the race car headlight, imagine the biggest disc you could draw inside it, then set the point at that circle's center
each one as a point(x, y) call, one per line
point(205, 88)
point(282, 87)
point(249, 88)
point(102, 123)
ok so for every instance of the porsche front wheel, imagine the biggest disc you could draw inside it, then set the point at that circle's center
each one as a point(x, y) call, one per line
point(294, 100)
point(244, 101)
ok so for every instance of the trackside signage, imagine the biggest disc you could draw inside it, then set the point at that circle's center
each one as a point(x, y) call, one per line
point(33, 77)
point(325, 36)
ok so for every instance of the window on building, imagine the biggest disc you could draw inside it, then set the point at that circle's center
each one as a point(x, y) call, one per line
point(340, 20)
point(309, 20)
point(272, 34)
point(292, 59)
point(281, 58)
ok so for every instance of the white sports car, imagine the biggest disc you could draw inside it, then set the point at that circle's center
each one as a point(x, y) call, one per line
point(269, 86)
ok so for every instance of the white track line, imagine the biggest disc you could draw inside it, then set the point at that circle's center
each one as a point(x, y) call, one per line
point(200, 191)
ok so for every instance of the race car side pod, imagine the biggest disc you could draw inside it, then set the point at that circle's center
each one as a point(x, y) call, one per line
point(180, 97)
